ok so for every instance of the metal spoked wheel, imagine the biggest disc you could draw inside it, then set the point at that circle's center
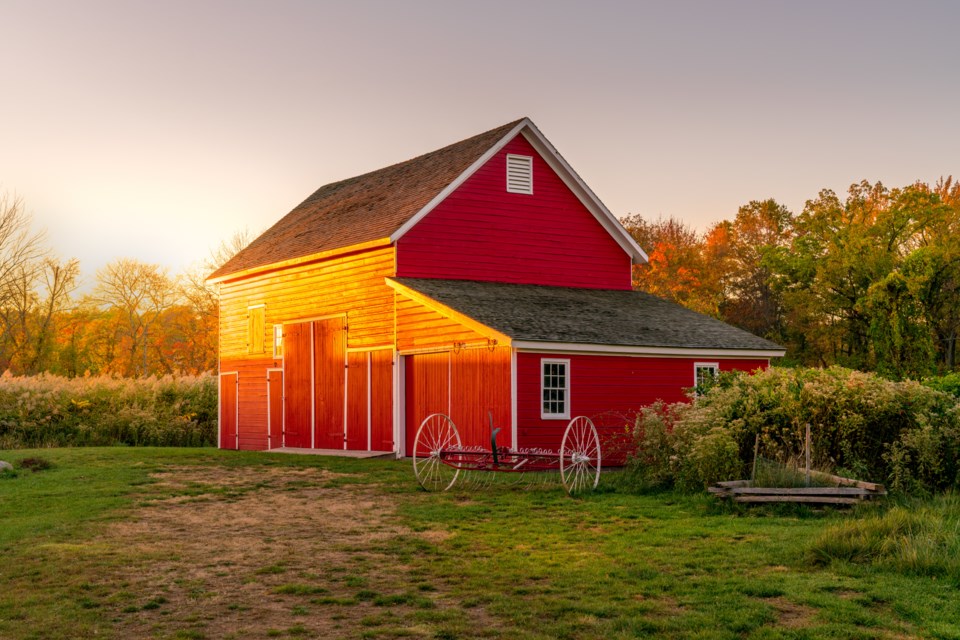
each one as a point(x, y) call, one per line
point(580, 456)
point(432, 446)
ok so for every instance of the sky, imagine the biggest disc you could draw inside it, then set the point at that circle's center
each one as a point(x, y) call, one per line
point(155, 130)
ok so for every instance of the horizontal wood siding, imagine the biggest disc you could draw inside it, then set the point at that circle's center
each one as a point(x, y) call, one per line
point(351, 284)
point(481, 232)
point(421, 328)
point(601, 385)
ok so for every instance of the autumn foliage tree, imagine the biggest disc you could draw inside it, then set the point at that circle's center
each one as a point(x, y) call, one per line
point(138, 320)
point(870, 280)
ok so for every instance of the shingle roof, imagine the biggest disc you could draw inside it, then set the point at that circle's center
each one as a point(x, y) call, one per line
point(585, 316)
point(364, 208)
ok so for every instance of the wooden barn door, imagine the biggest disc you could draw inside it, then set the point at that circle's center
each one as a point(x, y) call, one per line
point(358, 409)
point(479, 386)
point(298, 385)
point(274, 408)
point(381, 400)
point(229, 411)
point(427, 391)
point(329, 383)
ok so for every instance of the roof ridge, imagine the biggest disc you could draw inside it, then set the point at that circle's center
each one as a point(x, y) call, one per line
point(363, 208)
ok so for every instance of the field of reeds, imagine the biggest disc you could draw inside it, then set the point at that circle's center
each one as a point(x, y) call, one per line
point(53, 411)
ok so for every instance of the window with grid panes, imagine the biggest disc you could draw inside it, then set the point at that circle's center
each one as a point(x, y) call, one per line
point(555, 389)
point(704, 373)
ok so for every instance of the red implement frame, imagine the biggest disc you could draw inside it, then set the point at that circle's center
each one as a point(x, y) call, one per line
point(439, 456)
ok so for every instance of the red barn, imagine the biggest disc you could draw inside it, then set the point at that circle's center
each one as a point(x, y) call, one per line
point(481, 277)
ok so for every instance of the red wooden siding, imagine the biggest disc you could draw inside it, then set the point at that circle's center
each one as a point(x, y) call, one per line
point(352, 284)
point(601, 384)
point(275, 408)
point(419, 327)
point(427, 389)
point(357, 408)
point(298, 374)
point(381, 400)
point(465, 385)
point(480, 384)
point(481, 232)
point(329, 359)
point(228, 411)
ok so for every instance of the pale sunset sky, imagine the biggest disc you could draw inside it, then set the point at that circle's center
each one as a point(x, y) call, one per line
point(155, 129)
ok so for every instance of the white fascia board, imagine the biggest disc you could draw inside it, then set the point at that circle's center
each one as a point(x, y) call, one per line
point(584, 193)
point(620, 350)
point(453, 186)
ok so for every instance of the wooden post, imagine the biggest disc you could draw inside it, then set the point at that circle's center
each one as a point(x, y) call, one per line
point(756, 449)
point(807, 452)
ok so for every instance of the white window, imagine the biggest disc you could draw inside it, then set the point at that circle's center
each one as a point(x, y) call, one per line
point(278, 341)
point(703, 374)
point(519, 174)
point(555, 389)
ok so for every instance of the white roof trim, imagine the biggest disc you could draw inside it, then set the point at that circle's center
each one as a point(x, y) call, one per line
point(556, 162)
point(622, 350)
point(453, 186)
point(584, 193)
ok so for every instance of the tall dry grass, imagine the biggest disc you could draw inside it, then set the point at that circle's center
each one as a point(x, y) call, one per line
point(53, 411)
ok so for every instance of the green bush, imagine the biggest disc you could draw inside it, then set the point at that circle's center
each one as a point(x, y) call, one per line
point(949, 383)
point(862, 425)
point(51, 411)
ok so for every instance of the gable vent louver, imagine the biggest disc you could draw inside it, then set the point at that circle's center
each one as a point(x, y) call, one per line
point(519, 174)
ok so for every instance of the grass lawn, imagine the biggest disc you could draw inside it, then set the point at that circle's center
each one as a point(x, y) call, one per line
point(198, 543)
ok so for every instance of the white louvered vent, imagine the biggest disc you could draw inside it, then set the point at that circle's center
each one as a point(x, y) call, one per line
point(519, 174)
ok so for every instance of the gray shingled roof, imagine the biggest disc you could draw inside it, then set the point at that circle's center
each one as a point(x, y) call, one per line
point(585, 316)
point(364, 208)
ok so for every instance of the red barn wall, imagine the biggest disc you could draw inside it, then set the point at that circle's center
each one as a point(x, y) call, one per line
point(481, 232)
point(600, 384)
point(467, 385)
point(351, 283)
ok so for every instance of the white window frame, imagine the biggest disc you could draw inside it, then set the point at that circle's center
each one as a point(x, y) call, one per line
point(277, 341)
point(697, 366)
point(566, 388)
point(516, 161)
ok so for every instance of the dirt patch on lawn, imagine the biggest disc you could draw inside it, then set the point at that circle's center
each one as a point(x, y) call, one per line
point(272, 552)
point(791, 615)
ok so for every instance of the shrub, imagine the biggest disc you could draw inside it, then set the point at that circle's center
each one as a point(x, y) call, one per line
point(949, 383)
point(862, 425)
point(48, 411)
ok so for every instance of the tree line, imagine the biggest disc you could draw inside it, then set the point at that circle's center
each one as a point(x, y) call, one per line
point(870, 280)
point(138, 319)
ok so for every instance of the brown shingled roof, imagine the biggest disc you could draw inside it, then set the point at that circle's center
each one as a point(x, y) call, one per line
point(364, 208)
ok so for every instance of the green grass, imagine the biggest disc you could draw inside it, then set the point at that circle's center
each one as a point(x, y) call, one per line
point(499, 563)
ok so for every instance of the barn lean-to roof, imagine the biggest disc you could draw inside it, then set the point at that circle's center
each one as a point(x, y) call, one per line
point(535, 316)
point(385, 204)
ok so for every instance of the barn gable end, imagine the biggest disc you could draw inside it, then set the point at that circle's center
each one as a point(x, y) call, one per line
point(484, 232)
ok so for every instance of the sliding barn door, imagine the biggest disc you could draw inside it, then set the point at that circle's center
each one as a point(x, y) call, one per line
point(298, 381)
point(229, 411)
point(329, 383)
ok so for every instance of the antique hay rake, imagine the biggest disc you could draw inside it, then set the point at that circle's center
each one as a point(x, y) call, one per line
point(440, 459)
